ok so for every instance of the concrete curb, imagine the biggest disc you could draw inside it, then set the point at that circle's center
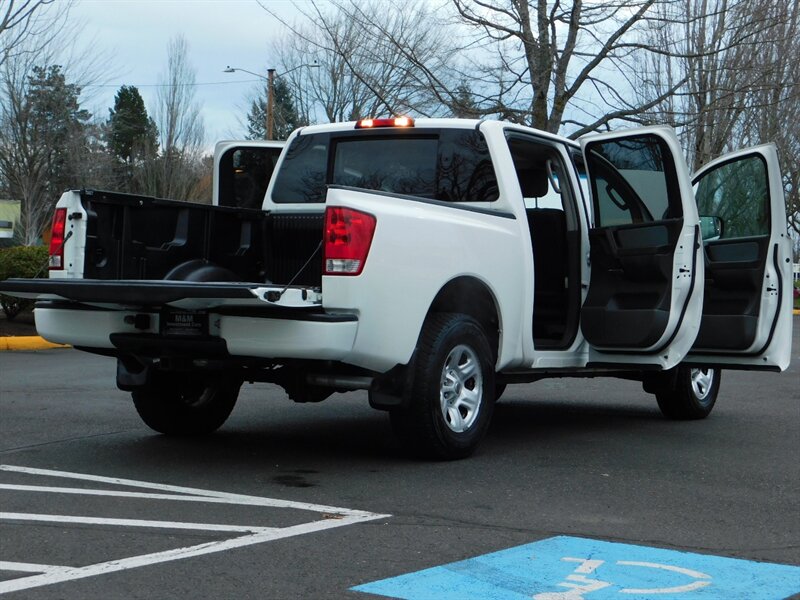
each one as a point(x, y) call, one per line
point(27, 342)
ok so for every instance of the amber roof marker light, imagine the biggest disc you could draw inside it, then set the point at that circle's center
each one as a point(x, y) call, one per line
point(390, 122)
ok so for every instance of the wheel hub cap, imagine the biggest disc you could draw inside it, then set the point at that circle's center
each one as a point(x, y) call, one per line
point(702, 380)
point(461, 388)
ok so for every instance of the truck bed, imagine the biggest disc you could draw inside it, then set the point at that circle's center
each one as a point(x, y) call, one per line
point(133, 238)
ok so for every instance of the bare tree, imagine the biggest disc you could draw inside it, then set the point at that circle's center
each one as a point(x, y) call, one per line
point(549, 64)
point(565, 57)
point(736, 63)
point(23, 20)
point(175, 171)
point(773, 113)
point(361, 73)
point(332, 87)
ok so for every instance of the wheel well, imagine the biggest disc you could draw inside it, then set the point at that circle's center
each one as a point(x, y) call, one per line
point(470, 296)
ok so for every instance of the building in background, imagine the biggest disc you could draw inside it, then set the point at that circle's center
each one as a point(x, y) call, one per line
point(9, 217)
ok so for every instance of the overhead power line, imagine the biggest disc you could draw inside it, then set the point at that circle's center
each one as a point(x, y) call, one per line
point(144, 85)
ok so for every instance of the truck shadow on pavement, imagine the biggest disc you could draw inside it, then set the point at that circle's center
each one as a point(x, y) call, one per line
point(310, 435)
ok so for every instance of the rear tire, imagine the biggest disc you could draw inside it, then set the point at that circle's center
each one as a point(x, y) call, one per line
point(452, 394)
point(181, 405)
point(691, 394)
point(12, 306)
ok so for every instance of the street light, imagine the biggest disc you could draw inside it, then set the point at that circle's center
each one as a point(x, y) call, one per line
point(270, 79)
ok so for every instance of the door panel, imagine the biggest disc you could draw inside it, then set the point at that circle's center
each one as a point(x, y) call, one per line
point(735, 254)
point(643, 239)
point(732, 290)
point(644, 301)
point(628, 303)
point(747, 300)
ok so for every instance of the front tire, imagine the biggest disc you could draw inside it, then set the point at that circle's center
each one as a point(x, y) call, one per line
point(452, 394)
point(691, 394)
point(181, 405)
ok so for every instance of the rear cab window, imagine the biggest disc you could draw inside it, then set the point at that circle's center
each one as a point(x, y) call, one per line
point(451, 165)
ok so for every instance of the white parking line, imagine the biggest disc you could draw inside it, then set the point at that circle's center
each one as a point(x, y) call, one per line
point(332, 517)
point(241, 500)
point(206, 494)
point(28, 567)
point(132, 523)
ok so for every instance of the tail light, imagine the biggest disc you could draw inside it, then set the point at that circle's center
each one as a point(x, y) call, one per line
point(57, 239)
point(348, 236)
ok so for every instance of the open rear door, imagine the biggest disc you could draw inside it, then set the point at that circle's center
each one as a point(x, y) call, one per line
point(645, 292)
point(747, 315)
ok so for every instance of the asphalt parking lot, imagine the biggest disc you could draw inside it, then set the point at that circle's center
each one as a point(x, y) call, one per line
point(310, 501)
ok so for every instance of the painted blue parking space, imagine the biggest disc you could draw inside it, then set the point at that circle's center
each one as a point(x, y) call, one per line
point(568, 568)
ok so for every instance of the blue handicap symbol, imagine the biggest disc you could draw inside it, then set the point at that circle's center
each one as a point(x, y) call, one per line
point(568, 568)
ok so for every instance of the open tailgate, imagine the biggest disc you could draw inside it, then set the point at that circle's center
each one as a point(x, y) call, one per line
point(180, 294)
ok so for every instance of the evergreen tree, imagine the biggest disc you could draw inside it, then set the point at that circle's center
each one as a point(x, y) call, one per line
point(285, 114)
point(132, 134)
point(44, 144)
point(463, 105)
point(58, 125)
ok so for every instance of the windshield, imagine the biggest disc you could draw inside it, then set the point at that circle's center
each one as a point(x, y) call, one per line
point(450, 165)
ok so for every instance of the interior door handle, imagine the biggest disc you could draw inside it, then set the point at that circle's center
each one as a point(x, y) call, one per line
point(612, 242)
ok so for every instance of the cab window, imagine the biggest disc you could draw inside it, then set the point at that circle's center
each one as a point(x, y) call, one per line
point(633, 181)
point(737, 195)
point(440, 164)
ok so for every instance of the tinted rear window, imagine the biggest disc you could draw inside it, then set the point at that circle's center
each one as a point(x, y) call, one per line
point(450, 165)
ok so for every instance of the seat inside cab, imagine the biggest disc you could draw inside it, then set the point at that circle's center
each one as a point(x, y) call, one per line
point(553, 225)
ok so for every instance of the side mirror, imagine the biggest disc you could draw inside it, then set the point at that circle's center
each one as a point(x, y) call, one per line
point(711, 228)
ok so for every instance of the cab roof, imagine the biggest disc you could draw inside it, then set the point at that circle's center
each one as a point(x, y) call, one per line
point(481, 124)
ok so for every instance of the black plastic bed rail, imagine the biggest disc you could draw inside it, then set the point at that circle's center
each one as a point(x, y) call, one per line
point(128, 292)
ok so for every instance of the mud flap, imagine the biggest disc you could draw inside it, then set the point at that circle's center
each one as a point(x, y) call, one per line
point(392, 390)
point(132, 374)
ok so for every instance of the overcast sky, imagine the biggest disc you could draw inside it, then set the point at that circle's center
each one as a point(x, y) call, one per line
point(134, 35)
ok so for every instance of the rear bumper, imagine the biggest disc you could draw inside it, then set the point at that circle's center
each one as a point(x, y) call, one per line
point(312, 336)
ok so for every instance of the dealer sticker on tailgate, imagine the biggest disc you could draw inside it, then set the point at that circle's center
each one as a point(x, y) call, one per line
point(184, 322)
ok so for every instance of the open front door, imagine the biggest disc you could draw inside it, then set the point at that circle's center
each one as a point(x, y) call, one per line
point(645, 291)
point(747, 315)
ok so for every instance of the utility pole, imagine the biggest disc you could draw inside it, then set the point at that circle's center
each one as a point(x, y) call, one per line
point(270, 103)
point(270, 112)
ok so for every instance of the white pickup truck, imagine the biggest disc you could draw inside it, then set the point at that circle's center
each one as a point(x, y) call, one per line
point(432, 263)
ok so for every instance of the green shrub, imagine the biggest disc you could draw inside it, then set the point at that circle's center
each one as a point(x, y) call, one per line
point(21, 261)
point(796, 294)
